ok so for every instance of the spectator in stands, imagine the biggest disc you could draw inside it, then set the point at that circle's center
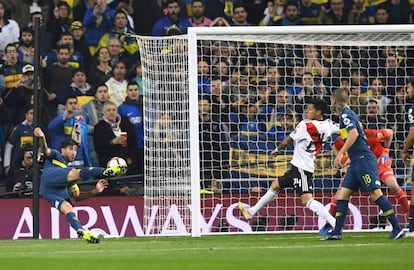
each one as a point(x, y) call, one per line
point(381, 15)
point(21, 172)
point(240, 88)
point(26, 45)
point(359, 80)
point(93, 113)
point(71, 125)
point(359, 14)
point(20, 135)
point(58, 77)
point(265, 102)
point(136, 75)
point(98, 20)
point(121, 31)
point(12, 75)
point(77, 30)
point(110, 140)
point(132, 108)
point(220, 101)
point(115, 53)
point(290, 15)
point(197, 17)
point(313, 62)
point(342, 67)
point(46, 42)
point(23, 92)
point(10, 30)
point(240, 15)
point(60, 22)
point(219, 21)
point(273, 12)
point(117, 85)
point(399, 11)
point(393, 72)
point(272, 76)
point(373, 119)
point(75, 57)
point(79, 88)
point(376, 92)
point(283, 106)
point(279, 130)
point(249, 123)
point(127, 7)
point(309, 12)
point(23, 8)
point(100, 70)
point(212, 147)
point(146, 12)
point(337, 14)
point(172, 23)
point(203, 77)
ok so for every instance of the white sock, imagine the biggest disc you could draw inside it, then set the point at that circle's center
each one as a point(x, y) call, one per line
point(269, 196)
point(321, 211)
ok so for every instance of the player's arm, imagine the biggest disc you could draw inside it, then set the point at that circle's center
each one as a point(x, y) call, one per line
point(389, 134)
point(282, 145)
point(78, 195)
point(409, 142)
point(350, 140)
point(38, 132)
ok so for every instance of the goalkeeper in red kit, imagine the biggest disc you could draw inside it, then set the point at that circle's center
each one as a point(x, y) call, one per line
point(379, 141)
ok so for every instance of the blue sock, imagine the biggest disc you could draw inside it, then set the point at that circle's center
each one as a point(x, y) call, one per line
point(411, 219)
point(91, 172)
point(388, 212)
point(341, 212)
point(73, 221)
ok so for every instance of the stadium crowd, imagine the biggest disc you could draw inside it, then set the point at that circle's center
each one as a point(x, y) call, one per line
point(92, 77)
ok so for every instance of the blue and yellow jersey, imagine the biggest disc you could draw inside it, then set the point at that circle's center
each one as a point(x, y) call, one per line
point(348, 121)
point(55, 159)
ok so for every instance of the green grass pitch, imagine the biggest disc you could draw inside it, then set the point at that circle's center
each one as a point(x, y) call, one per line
point(273, 251)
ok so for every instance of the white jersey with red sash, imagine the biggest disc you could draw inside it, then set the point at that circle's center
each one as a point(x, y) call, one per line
point(309, 137)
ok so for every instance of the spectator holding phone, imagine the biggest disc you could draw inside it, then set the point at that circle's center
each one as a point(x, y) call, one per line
point(71, 124)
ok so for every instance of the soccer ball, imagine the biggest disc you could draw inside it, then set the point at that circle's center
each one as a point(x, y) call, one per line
point(115, 161)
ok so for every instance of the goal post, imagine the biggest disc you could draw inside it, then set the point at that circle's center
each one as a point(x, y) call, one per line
point(228, 159)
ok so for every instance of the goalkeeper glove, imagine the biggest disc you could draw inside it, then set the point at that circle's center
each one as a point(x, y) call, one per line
point(384, 159)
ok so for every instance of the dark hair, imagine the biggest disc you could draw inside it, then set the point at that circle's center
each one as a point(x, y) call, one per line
point(132, 83)
point(411, 81)
point(76, 70)
point(68, 142)
point(63, 47)
point(71, 97)
point(320, 104)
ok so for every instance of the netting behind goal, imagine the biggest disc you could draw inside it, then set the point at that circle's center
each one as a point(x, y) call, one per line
point(252, 84)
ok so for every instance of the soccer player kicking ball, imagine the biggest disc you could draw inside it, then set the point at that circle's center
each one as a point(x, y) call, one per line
point(362, 173)
point(309, 137)
point(57, 176)
point(375, 138)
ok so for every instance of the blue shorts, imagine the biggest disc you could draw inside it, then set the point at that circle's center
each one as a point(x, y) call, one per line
point(362, 174)
point(54, 186)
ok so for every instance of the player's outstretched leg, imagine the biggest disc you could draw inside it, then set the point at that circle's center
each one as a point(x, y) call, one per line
point(249, 212)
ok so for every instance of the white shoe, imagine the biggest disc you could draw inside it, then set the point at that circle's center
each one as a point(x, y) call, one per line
point(409, 234)
point(244, 210)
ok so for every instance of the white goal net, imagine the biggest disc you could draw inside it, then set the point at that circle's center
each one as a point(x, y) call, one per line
point(219, 100)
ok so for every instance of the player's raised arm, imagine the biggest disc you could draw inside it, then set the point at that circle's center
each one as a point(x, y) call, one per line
point(38, 132)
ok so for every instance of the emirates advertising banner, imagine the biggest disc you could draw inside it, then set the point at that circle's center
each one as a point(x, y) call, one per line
point(123, 216)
